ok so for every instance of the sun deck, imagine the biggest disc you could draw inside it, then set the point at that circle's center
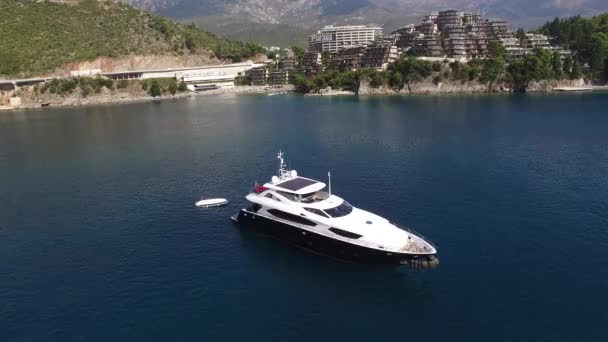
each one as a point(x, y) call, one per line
point(297, 185)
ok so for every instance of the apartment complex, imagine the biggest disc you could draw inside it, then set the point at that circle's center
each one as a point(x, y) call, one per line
point(258, 76)
point(450, 33)
point(335, 38)
point(516, 48)
point(457, 34)
point(381, 53)
point(312, 62)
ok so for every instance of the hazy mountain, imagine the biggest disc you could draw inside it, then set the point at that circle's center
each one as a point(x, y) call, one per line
point(256, 18)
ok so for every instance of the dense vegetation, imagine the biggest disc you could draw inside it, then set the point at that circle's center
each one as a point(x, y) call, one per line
point(88, 86)
point(588, 37)
point(540, 65)
point(38, 36)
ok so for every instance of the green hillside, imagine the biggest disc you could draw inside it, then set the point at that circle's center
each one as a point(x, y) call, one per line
point(37, 36)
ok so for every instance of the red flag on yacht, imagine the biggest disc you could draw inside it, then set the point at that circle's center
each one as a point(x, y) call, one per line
point(259, 188)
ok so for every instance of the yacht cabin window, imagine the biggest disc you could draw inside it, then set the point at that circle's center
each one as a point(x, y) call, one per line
point(291, 217)
point(290, 196)
point(317, 211)
point(269, 195)
point(342, 210)
point(345, 233)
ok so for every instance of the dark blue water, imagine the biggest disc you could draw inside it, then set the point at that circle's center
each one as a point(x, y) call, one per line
point(100, 241)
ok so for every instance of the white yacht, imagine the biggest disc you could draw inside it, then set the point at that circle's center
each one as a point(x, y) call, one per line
point(300, 211)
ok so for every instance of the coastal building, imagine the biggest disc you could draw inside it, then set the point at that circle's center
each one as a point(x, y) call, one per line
point(312, 62)
point(222, 75)
point(258, 75)
point(455, 46)
point(278, 77)
point(430, 18)
point(380, 53)
point(533, 40)
point(513, 49)
point(427, 28)
point(471, 19)
point(348, 59)
point(428, 46)
point(452, 33)
point(498, 28)
point(287, 63)
point(539, 41)
point(449, 17)
point(335, 38)
point(404, 30)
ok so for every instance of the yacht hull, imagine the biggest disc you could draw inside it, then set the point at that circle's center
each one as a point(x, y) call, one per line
point(332, 247)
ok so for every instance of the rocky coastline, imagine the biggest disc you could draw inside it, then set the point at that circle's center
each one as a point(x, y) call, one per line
point(457, 87)
point(30, 100)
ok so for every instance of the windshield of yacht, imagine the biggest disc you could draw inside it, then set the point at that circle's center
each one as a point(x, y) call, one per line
point(342, 210)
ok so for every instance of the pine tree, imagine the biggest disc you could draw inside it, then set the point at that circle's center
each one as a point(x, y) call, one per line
point(557, 66)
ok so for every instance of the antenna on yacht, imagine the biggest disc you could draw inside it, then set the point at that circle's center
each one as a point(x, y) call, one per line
point(282, 169)
point(329, 177)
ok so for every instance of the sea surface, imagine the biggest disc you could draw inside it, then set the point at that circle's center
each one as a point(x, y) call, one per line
point(100, 239)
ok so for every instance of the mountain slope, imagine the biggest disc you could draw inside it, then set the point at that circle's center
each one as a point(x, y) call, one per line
point(287, 22)
point(307, 13)
point(39, 36)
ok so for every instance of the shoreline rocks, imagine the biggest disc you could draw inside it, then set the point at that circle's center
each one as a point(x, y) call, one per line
point(29, 101)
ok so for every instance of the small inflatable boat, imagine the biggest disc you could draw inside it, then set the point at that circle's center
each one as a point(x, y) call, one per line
point(211, 202)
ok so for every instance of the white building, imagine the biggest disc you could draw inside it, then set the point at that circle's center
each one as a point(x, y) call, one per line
point(335, 38)
point(212, 76)
point(534, 40)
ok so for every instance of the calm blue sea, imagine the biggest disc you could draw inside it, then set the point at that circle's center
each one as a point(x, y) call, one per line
point(100, 241)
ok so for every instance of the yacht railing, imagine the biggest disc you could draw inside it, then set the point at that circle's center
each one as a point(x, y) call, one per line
point(410, 230)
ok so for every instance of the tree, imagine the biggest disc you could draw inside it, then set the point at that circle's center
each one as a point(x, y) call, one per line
point(182, 87)
point(576, 73)
point(493, 69)
point(301, 83)
point(412, 70)
point(395, 81)
point(537, 66)
point(298, 51)
point(599, 53)
point(325, 59)
point(189, 42)
point(567, 68)
point(319, 83)
point(557, 66)
point(377, 79)
point(154, 89)
point(518, 75)
point(497, 49)
point(520, 34)
point(173, 87)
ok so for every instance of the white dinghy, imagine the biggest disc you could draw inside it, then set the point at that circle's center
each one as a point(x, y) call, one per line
point(211, 202)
